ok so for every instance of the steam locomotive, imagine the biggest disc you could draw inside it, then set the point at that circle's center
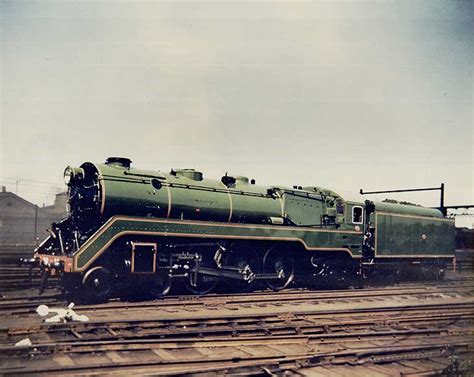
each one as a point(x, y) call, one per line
point(149, 229)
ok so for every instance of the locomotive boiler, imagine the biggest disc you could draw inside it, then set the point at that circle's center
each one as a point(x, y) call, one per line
point(149, 229)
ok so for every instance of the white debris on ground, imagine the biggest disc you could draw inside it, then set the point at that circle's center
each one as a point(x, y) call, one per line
point(24, 343)
point(62, 315)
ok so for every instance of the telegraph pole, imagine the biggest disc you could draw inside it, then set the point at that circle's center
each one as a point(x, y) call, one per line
point(36, 224)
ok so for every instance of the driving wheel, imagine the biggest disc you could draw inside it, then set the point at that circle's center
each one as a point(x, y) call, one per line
point(278, 262)
point(160, 284)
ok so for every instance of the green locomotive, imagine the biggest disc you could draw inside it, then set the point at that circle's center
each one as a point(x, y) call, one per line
point(148, 228)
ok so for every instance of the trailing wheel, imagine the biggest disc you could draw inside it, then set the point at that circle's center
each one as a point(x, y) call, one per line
point(321, 268)
point(98, 284)
point(276, 261)
point(333, 272)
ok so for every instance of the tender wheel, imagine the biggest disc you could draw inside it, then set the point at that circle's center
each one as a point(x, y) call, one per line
point(98, 284)
point(432, 270)
point(277, 262)
point(160, 284)
point(441, 274)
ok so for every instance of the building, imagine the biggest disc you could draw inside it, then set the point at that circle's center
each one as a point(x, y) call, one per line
point(59, 206)
point(22, 222)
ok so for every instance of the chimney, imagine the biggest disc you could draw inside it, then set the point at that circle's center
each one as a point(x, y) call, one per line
point(4, 188)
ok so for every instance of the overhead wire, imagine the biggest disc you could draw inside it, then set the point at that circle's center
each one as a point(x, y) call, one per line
point(19, 179)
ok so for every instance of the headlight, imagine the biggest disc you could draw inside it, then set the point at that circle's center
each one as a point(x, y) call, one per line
point(71, 174)
point(68, 174)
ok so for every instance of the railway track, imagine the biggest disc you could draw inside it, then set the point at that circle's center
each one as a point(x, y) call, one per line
point(246, 342)
point(187, 327)
point(27, 304)
point(465, 260)
point(413, 328)
point(322, 362)
point(10, 253)
point(15, 278)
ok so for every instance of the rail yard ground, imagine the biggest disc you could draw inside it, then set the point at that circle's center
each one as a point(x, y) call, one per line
point(410, 329)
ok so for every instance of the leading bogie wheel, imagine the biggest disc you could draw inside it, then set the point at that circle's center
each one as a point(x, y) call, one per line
point(276, 261)
point(98, 284)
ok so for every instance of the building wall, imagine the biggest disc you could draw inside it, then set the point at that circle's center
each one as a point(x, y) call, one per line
point(19, 218)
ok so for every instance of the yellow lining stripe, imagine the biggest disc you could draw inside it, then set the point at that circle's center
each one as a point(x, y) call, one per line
point(376, 233)
point(155, 248)
point(413, 216)
point(200, 235)
point(169, 201)
point(102, 194)
point(417, 256)
point(231, 204)
point(221, 224)
point(110, 222)
point(282, 205)
point(102, 189)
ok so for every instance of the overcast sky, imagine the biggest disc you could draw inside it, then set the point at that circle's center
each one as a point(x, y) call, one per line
point(373, 94)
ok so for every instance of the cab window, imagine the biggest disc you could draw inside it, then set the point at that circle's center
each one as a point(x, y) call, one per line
point(357, 215)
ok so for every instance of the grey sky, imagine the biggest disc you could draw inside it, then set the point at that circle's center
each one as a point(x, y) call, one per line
point(374, 94)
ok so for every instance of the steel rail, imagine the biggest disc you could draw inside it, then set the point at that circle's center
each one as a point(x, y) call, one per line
point(448, 324)
point(232, 363)
point(252, 298)
point(97, 346)
point(174, 324)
